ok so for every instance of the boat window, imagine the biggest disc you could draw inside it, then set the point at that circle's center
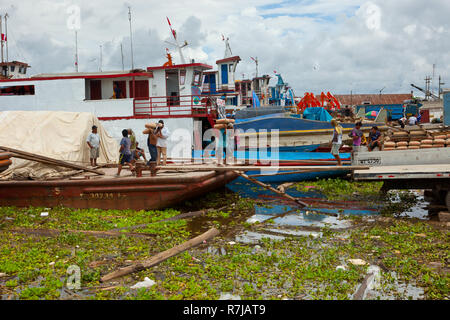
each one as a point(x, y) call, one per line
point(13, 68)
point(16, 90)
point(197, 78)
point(230, 66)
point(182, 77)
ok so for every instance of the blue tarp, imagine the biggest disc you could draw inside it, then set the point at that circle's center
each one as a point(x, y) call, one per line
point(255, 100)
point(317, 113)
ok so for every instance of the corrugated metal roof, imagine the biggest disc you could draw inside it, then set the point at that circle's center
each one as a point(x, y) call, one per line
point(359, 99)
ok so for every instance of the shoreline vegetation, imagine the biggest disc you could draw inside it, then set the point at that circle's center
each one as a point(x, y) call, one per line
point(39, 247)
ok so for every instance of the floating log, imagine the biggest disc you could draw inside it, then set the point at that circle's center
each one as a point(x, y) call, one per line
point(283, 194)
point(160, 257)
point(47, 160)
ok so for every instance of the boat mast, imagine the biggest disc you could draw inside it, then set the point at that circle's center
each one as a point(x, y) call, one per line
point(6, 40)
point(1, 34)
point(121, 53)
point(76, 50)
point(256, 62)
point(131, 38)
point(101, 59)
point(177, 44)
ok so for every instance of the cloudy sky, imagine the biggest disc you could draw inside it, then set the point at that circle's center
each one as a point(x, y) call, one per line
point(317, 45)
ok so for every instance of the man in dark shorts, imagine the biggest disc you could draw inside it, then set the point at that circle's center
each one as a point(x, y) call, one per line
point(151, 142)
point(374, 138)
point(139, 152)
point(125, 152)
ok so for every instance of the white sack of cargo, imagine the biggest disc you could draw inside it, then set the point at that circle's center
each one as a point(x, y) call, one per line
point(54, 134)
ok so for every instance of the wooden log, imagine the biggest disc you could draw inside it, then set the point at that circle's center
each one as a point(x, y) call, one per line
point(5, 155)
point(5, 163)
point(359, 294)
point(283, 194)
point(39, 158)
point(160, 257)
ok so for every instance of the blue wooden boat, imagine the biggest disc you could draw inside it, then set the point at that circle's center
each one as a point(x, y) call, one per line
point(262, 158)
point(289, 124)
point(293, 131)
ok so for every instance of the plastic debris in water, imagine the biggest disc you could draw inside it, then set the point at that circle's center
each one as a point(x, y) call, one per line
point(228, 296)
point(44, 214)
point(341, 268)
point(147, 283)
point(357, 262)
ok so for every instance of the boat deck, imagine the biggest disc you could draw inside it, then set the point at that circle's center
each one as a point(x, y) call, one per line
point(165, 173)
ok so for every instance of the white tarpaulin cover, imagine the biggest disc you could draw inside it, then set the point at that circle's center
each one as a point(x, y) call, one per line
point(55, 134)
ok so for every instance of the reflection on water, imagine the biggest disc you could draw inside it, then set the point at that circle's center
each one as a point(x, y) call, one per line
point(319, 213)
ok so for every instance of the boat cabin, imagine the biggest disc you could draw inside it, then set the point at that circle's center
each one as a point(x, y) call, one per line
point(13, 69)
point(121, 99)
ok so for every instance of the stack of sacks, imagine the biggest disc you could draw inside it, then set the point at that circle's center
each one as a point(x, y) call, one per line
point(149, 127)
point(414, 145)
point(447, 142)
point(224, 124)
point(389, 145)
point(439, 141)
point(426, 143)
point(401, 145)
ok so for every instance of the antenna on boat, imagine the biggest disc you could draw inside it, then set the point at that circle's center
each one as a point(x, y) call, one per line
point(131, 39)
point(76, 50)
point(1, 35)
point(176, 44)
point(101, 59)
point(6, 35)
point(256, 62)
point(121, 53)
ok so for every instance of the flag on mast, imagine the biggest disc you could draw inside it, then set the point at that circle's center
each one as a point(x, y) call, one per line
point(173, 31)
point(3, 37)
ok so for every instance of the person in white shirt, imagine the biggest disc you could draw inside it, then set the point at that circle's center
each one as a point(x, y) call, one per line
point(336, 141)
point(93, 141)
point(162, 134)
point(412, 121)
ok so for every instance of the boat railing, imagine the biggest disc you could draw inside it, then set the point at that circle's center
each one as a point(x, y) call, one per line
point(172, 106)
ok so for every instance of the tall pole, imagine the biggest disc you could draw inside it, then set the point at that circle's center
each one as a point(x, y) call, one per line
point(6, 34)
point(76, 50)
point(131, 38)
point(101, 59)
point(1, 32)
point(121, 53)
